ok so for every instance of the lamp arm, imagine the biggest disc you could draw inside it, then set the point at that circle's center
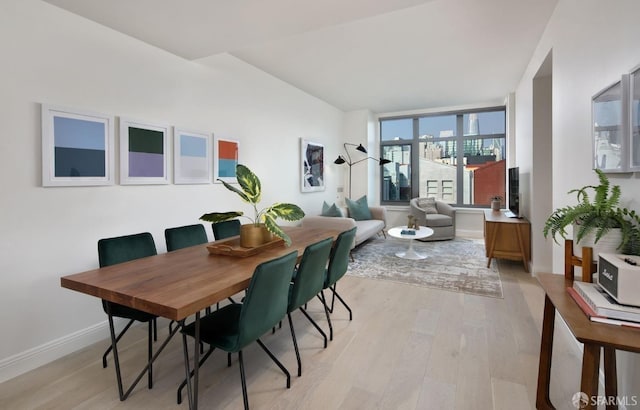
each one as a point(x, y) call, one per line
point(363, 159)
point(347, 152)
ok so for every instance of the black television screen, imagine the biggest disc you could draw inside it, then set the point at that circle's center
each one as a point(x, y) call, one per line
point(514, 191)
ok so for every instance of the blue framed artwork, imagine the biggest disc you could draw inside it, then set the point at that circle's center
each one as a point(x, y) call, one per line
point(143, 153)
point(77, 147)
point(192, 157)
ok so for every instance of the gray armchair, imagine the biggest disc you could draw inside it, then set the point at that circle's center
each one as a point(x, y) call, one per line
point(443, 221)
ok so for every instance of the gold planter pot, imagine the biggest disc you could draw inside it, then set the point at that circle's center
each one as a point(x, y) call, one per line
point(252, 236)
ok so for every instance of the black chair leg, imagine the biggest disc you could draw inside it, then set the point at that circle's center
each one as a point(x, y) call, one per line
point(326, 312)
point(276, 361)
point(104, 356)
point(313, 322)
point(336, 294)
point(228, 359)
point(245, 397)
point(295, 345)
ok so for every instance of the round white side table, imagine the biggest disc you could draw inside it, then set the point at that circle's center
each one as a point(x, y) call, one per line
point(421, 233)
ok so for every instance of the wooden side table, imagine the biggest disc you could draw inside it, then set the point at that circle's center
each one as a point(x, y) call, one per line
point(593, 335)
point(507, 238)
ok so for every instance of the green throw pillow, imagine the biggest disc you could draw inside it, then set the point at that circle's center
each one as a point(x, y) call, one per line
point(359, 209)
point(330, 210)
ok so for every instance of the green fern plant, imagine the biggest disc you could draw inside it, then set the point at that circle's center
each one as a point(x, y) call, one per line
point(251, 192)
point(600, 215)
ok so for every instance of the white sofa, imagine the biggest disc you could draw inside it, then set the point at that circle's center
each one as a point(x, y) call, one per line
point(366, 229)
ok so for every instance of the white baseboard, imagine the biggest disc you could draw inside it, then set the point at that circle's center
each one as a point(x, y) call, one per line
point(23, 362)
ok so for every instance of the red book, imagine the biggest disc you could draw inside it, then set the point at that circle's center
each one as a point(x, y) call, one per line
point(581, 303)
point(584, 306)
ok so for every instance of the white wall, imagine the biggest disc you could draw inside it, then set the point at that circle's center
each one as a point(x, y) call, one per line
point(593, 43)
point(51, 56)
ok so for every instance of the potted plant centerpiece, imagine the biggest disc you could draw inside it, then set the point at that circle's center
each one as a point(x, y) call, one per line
point(264, 222)
point(600, 223)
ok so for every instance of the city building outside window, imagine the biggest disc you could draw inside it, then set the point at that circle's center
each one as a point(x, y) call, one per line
point(455, 157)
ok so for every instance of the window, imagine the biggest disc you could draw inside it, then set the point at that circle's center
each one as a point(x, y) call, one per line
point(458, 157)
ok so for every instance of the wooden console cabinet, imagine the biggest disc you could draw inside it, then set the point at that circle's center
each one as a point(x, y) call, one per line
point(507, 238)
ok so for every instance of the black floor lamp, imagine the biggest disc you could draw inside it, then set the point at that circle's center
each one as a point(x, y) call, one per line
point(348, 161)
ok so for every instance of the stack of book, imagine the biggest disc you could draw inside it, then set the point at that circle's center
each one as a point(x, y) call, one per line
point(600, 307)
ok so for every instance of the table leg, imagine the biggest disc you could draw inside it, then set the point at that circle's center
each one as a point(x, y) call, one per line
point(590, 369)
point(521, 246)
point(410, 253)
point(492, 245)
point(192, 388)
point(610, 375)
point(546, 350)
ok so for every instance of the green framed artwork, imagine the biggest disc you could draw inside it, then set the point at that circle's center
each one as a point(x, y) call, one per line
point(143, 153)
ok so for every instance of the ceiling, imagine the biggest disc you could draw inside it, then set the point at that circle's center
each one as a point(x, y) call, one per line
point(382, 55)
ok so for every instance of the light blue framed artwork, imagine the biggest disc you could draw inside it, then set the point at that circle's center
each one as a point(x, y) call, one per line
point(77, 147)
point(192, 157)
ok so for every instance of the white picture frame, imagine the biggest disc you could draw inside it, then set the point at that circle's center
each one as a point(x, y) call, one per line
point(144, 152)
point(77, 147)
point(311, 166)
point(191, 157)
point(226, 155)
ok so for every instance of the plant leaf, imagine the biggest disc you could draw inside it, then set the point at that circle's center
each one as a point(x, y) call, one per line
point(236, 190)
point(216, 217)
point(272, 226)
point(250, 184)
point(286, 211)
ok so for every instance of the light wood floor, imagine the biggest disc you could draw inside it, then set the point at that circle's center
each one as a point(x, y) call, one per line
point(407, 348)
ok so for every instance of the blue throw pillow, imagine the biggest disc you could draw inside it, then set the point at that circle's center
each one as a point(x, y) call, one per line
point(359, 209)
point(330, 210)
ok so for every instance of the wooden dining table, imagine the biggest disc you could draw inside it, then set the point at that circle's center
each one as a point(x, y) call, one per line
point(182, 283)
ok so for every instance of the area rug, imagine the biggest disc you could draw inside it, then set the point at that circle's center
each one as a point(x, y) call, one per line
point(458, 265)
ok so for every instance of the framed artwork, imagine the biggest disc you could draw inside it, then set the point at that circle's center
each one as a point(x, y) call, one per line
point(77, 147)
point(191, 157)
point(143, 153)
point(610, 127)
point(225, 158)
point(312, 166)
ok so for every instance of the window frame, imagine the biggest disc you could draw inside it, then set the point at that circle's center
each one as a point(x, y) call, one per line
point(459, 139)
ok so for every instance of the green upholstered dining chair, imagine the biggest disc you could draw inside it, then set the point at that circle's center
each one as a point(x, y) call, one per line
point(338, 264)
point(116, 250)
point(226, 229)
point(237, 325)
point(185, 236)
point(307, 283)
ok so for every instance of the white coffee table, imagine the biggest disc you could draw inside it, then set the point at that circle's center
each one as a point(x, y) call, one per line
point(423, 232)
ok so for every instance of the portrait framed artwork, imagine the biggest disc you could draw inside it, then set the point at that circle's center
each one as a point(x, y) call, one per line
point(143, 152)
point(610, 107)
point(312, 166)
point(77, 147)
point(191, 157)
point(226, 154)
